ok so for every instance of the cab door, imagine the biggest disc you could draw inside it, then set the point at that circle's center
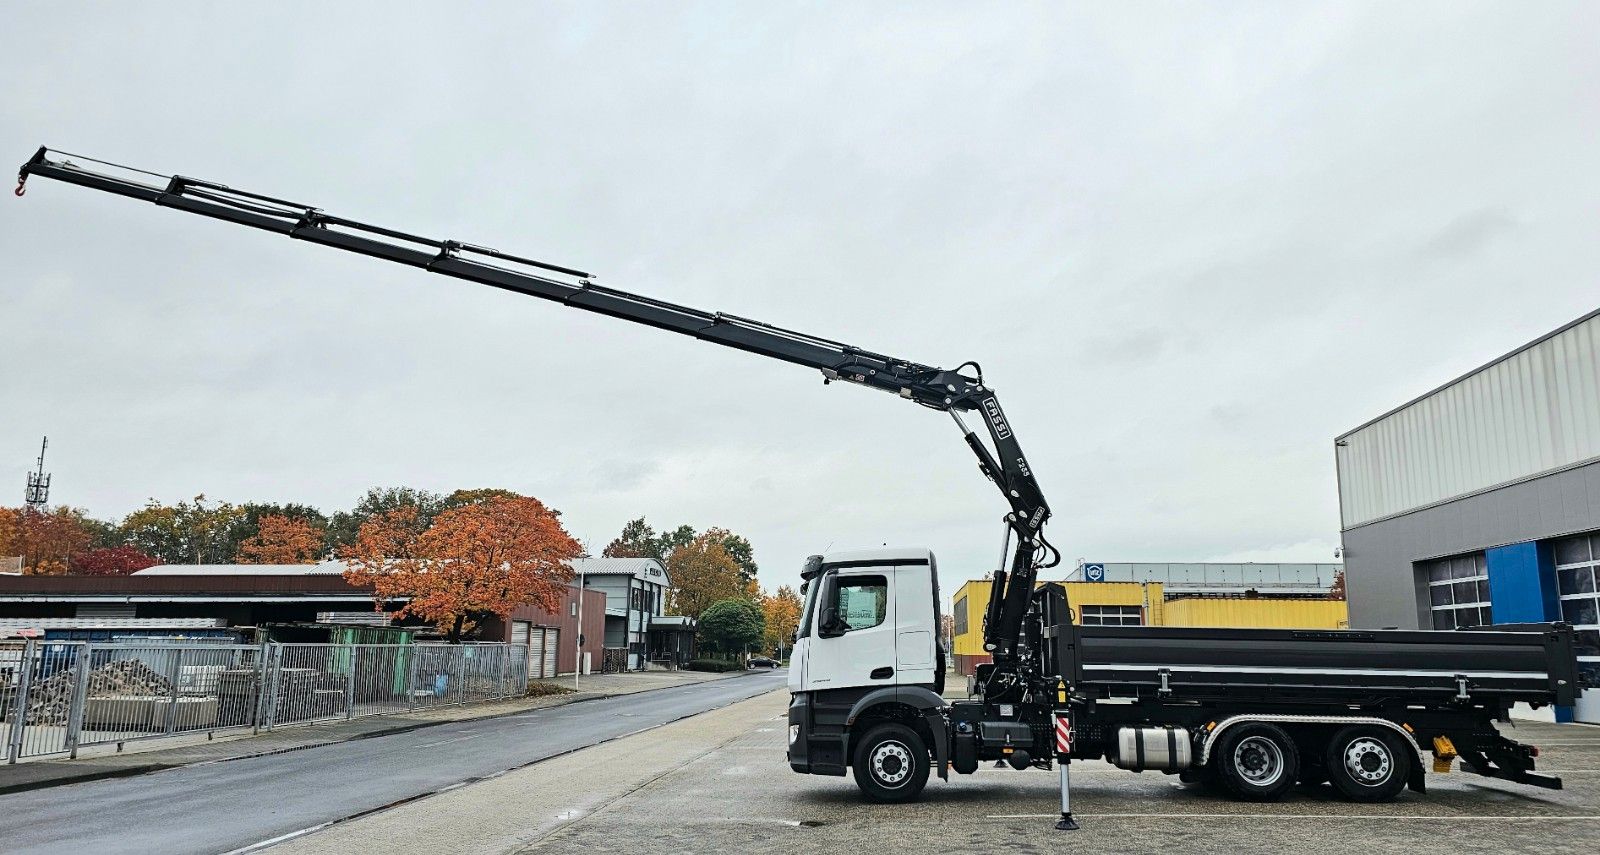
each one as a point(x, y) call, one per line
point(852, 639)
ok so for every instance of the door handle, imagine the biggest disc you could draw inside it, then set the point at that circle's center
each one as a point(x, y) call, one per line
point(882, 673)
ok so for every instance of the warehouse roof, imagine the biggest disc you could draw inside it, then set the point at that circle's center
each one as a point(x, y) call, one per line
point(648, 569)
point(328, 568)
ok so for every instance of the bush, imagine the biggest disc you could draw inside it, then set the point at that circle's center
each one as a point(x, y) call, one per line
point(714, 665)
point(537, 689)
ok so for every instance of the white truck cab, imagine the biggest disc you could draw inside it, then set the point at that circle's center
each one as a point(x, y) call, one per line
point(868, 660)
point(870, 619)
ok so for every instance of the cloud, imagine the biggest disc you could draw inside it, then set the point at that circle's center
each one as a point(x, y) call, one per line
point(1183, 242)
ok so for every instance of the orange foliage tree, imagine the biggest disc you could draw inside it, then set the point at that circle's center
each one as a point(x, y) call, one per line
point(782, 611)
point(10, 532)
point(703, 572)
point(49, 538)
point(281, 540)
point(488, 557)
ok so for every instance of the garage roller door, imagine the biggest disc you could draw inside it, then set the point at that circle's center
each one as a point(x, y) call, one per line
point(519, 635)
point(552, 644)
point(536, 652)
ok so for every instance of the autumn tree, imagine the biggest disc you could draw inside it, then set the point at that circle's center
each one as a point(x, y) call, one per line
point(250, 525)
point(1336, 590)
point(343, 527)
point(731, 626)
point(10, 532)
point(281, 540)
point(639, 540)
point(483, 558)
point(111, 561)
point(782, 611)
point(702, 573)
point(48, 539)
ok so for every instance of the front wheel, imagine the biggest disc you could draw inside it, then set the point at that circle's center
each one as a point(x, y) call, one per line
point(1257, 762)
point(1368, 764)
point(891, 764)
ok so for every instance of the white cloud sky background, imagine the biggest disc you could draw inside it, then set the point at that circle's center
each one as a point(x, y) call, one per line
point(1189, 245)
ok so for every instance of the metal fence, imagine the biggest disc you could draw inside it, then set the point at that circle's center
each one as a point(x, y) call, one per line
point(58, 696)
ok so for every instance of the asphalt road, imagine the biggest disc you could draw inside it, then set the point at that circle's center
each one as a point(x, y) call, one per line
point(242, 804)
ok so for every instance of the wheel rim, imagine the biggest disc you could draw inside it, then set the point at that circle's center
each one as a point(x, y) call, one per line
point(891, 763)
point(1258, 760)
point(1368, 761)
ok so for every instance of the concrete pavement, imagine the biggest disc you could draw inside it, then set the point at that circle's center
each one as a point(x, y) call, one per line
point(741, 797)
point(718, 783)
point(519, 809)
point(246, 803)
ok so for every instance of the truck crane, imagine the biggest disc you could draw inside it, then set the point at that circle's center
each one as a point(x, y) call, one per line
point(1253, 711)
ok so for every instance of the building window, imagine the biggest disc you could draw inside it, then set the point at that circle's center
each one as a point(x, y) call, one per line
point(1577, 569)
point(961, 616)
point(1458, 591)
point(1112, 616)
point(575, 607)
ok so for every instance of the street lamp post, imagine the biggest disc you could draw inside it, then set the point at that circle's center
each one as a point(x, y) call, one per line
point(577, 656)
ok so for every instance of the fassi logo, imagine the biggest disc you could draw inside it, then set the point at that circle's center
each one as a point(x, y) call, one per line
point(991, 408)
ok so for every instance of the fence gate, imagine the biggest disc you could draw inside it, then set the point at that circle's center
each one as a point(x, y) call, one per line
point(40, 696)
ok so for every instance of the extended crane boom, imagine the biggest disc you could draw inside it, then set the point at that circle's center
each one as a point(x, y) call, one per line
point(952, 391)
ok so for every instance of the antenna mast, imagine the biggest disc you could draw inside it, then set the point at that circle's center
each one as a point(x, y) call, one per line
point(38, 494)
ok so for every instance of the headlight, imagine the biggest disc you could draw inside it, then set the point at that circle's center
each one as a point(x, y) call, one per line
point(794, 733)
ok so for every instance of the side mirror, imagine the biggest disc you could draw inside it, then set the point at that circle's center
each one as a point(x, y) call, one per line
point(831, 626)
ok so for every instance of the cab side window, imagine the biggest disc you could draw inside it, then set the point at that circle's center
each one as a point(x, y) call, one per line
point(862, 601)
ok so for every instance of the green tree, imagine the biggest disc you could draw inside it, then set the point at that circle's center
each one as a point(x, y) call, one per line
point(732, 626)
point(639, 540)
point(739, 548)
point(343, 527)
point(193, 532)
point(461, 498)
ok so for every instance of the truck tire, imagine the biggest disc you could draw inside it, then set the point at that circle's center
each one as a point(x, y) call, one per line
point(1257, 762)
point(891, 764)
point(1368, 764)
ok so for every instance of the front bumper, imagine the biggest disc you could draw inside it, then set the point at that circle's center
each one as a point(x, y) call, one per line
point(799, 733)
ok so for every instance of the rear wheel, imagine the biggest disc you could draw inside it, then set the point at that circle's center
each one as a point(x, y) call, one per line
point(891, 764)
point(1257, 762)
point(1368, 764)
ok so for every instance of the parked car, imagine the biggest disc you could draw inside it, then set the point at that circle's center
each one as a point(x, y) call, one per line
point(763, 662)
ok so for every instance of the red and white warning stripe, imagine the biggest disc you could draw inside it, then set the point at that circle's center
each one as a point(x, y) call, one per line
point(1063, 734)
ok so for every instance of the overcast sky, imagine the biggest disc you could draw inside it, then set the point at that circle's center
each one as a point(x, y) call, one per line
point(1189, 244)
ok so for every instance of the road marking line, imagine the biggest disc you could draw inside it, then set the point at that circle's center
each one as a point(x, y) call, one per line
point(1363, 816)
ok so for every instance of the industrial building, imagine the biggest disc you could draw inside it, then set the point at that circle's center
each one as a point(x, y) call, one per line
point(219, 600)
point(1294, 596)
point(1479, 502)
point(636, 595)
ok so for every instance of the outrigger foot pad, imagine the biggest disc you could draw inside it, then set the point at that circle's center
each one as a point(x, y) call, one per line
point(1066, 823)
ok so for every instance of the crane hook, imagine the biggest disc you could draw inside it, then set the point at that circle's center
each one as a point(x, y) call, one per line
point(22, 185)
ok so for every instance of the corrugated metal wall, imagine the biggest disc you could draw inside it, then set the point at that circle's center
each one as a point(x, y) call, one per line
point(1281, 614)
point(1535, 411)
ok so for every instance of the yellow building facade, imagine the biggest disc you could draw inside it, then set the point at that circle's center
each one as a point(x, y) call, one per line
point(1145, 604)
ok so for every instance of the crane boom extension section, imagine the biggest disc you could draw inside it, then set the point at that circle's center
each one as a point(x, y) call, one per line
point(950, 390)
